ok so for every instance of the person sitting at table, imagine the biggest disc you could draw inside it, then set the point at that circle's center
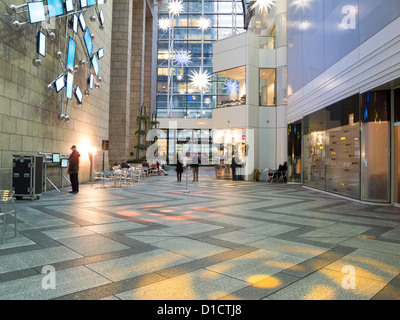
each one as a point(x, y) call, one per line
point(125, 165)
point(160, 169)
point(282, 170)
point(146, 166)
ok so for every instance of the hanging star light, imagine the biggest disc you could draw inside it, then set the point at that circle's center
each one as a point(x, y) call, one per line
point(200, 81)
point(182, 58)
point(203, 23)
point(175, 7)
point(164, 24)
point(301, 4)
point(263, 5)
point(179, 77)
point(207, 101)
point(231, 86)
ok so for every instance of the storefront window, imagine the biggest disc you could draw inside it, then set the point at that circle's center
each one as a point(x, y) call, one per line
point(343, 148)
point(232, 88)
point(375, 149)
point(314, 150)
point(267, 87)
point(294, 152)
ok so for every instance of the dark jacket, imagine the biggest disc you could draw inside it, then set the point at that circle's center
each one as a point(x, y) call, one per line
point(234, 163)
point(196, 162)
point(74, 162)
point(125, 165)
point(179, 166)
point(282, 168)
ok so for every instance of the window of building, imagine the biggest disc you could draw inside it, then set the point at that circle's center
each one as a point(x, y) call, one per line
point(232, 87)
point(267, 87)
point(187, 37)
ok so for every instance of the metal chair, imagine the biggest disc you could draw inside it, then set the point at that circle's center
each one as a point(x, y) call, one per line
point(126, 178)
point(282, 176)
point(7, 197)
point(106, 176)
point(272, 176)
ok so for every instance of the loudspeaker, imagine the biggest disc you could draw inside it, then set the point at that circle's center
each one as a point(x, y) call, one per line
point(105, 145)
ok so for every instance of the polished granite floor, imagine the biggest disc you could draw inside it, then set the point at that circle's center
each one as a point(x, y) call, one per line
point(223, 240)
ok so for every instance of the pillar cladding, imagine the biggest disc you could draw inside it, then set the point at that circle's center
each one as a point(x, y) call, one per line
point(120, 91)
point(131, 69)
point(137, 70)
point(281, 81)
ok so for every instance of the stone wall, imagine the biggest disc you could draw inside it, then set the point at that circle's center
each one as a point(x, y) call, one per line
point(28, 114)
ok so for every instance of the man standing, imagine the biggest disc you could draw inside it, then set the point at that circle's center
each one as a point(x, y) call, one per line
point(73, 169)
point(196, 160)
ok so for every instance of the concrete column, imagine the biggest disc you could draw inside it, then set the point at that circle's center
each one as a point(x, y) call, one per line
point(281, 81)
point(120, 92)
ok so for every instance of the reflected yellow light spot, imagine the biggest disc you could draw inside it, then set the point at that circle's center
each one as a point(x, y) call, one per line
point(264, 281)
point(320, 293)
point(225, 295)
point(166, 211)
point(221, 268)
point(210, 275)
point(279, 264)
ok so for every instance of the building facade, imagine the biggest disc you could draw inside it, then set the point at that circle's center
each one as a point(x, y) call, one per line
point(343, 80)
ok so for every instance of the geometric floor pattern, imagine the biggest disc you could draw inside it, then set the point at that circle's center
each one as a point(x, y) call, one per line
point(223, 240)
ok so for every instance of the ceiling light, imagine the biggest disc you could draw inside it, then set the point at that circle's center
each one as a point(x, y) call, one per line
point(164, 24)
point(175, 7)
point(182, 58)
point(200, 81)
point(263, 5)
point(203, 23)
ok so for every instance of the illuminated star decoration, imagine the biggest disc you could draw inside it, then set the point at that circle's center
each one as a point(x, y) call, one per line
point(164, 24)
point(263, 5)
point(301, 4)
point(207, 101)
point(231, 86)
point(203, 23)
point(179, 77)
point(182, 58)
point(200, 81)
point(175, 7)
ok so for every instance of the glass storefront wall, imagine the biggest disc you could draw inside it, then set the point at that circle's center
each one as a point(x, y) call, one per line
point(314, 152)
point(346, 147)
point(294, 152)
point(397, 146)
point(375, 168)
point(343, 148)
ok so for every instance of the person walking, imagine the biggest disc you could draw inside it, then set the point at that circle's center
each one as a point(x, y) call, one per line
point(73, 169)
point(196, 161)
point(179, 168)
